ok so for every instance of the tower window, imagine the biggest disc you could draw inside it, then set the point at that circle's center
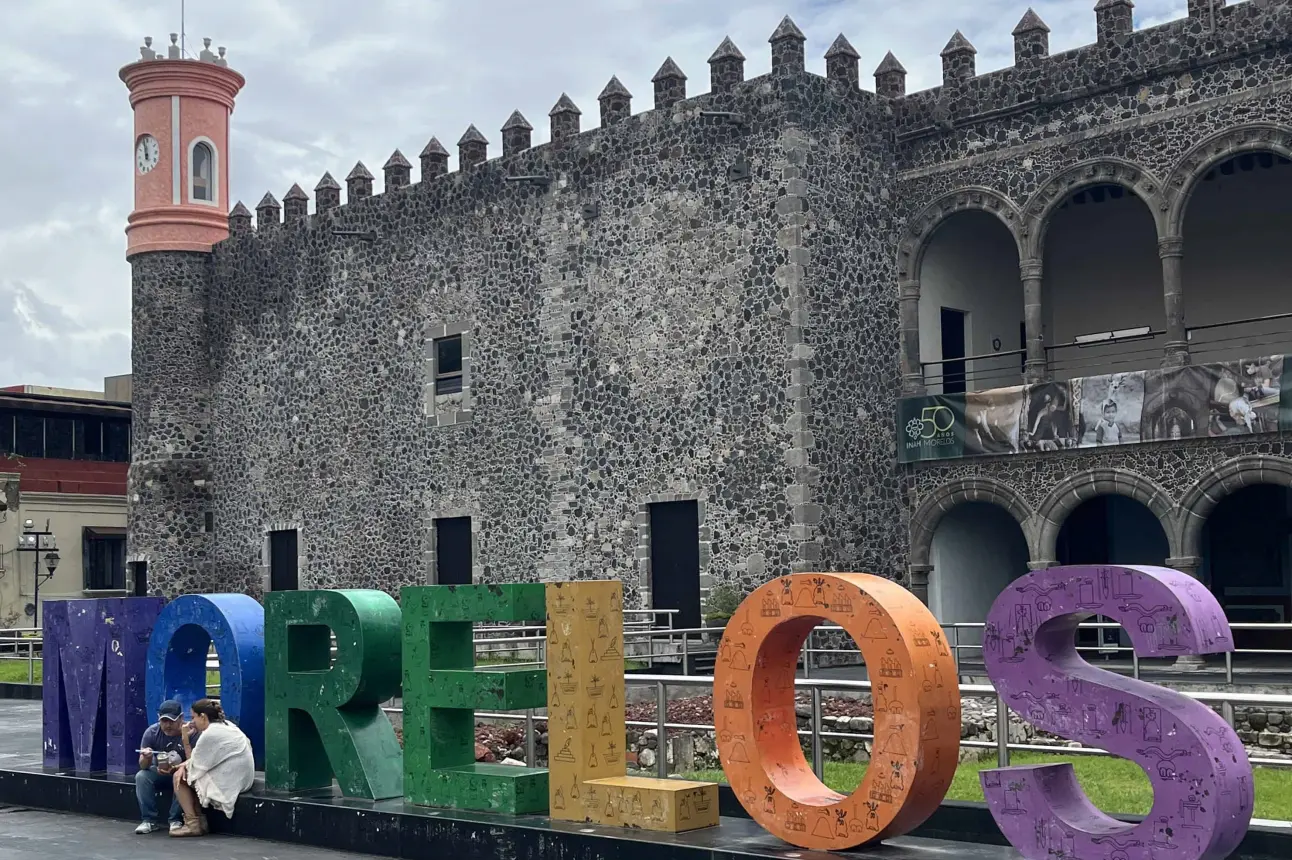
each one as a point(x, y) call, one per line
point(202, 172)
point(448, 365)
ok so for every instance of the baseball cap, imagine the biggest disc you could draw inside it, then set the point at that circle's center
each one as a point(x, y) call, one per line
point(170, 710)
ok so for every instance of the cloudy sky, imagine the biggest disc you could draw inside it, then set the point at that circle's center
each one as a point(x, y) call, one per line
point(333, 81)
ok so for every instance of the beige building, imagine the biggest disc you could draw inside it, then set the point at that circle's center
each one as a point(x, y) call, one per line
point(64, 456)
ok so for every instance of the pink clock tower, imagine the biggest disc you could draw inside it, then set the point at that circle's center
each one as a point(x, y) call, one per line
point(181, 148)
point(181, 166)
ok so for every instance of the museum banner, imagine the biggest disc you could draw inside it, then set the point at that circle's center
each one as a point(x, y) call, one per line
point(1234, 398)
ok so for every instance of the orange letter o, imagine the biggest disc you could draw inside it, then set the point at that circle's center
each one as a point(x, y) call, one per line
point(915, 694)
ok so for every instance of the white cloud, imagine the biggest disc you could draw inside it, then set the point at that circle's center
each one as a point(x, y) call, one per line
point(331, 82)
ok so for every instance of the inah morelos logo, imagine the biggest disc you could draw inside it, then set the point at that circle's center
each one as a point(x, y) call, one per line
point(914, 428)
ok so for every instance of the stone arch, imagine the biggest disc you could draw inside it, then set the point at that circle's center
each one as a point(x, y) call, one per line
point(924, 522)
point(920, 229)
point(1197, 162)
point(1040, 209)
point(1067, 496)
point(1222, 481)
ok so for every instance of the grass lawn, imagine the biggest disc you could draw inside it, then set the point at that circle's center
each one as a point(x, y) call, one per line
point(1114, 785)
point(15, 672)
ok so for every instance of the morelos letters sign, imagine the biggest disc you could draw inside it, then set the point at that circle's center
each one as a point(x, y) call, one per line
point(313, 717)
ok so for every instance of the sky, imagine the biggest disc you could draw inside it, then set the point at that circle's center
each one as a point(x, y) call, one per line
point(331, 82)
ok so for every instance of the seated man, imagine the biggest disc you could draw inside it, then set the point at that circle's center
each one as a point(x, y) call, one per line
point(161, 750)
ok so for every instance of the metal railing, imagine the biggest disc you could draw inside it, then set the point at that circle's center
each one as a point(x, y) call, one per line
point(14, 641)
point(817, 735)
point(1138, 349)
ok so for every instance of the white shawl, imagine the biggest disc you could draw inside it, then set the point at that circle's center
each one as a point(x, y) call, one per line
point(222, 767)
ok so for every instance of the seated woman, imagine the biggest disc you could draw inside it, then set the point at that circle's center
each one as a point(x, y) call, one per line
point(217, 769)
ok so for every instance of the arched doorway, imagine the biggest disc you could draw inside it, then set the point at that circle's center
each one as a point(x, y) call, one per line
point(1111, 529)
point(1102, 274)
point(1236, 258)
point(1246, 552)
point(978, 549)
point(971, 303)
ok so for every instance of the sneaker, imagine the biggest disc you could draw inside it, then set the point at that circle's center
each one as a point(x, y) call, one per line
point(176, 825)
point(146, 827)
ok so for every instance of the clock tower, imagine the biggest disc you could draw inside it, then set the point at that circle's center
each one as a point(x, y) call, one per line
point(180, 161)
point(181, 148)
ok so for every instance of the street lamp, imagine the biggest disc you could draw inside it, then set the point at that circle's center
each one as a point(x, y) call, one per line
point(33, 541)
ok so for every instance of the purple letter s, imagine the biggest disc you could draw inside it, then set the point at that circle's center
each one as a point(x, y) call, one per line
point(1202, 780)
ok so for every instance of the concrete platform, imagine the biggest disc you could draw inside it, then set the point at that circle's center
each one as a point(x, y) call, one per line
point(31, 834)
point(963, 831)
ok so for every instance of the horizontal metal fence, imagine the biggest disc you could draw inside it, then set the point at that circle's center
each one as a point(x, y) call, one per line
point(666, 643)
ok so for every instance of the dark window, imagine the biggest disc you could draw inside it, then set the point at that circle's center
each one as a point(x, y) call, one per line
point(116, 441)
point(203, 168)
point(89, 439)
point(140, 586)
point(30, 433)
point(953, 347)
point(283, 573)
point(103, 555)
point(58, 438)
point(6, 431)
point(453, 551)
point(675, 561)
point(448, 365)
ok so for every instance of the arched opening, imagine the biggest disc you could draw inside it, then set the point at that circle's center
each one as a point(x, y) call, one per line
point(978, 549)
point(1246, 551)
point(971, 304)
point(1102, 285)
point(1111, 529)
point(203, 173)
point(1236, 259)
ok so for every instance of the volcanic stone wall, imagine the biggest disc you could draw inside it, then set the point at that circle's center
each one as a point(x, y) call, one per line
point(658, 309)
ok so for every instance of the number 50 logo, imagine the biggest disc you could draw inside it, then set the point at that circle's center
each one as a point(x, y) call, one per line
point(932, 421)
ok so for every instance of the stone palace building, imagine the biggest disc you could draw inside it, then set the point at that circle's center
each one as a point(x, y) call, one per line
point(1025, 318)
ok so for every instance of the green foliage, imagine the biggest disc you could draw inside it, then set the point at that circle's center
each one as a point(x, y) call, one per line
point(722, 603)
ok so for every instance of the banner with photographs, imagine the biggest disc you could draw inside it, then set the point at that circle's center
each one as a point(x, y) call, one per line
point(1235, 398)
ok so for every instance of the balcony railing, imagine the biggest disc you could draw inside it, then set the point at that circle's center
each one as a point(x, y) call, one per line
point(1121, 351)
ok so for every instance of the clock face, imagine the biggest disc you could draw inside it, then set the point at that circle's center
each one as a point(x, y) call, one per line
point(147, 153)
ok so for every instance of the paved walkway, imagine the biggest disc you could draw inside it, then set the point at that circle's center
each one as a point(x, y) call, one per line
point(29, 834)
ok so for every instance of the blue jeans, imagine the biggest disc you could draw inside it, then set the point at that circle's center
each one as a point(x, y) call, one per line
point(148, 784)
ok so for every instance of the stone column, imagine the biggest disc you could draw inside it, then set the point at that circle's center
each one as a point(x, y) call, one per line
point(1187, 564)
point(919, 577)
point(1171, 250)
point(1037, 366)
point(912, 370)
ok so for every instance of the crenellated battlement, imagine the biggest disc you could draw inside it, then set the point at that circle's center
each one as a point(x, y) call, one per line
point(727, 77)
point(1121, 56)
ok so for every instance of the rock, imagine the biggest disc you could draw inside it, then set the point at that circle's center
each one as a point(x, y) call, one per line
point(1258, 721)
point(803, 712)
point(1274, 718)
point(646, 758)
point(483, 754)
point(1269, 739)
point(513, 762)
